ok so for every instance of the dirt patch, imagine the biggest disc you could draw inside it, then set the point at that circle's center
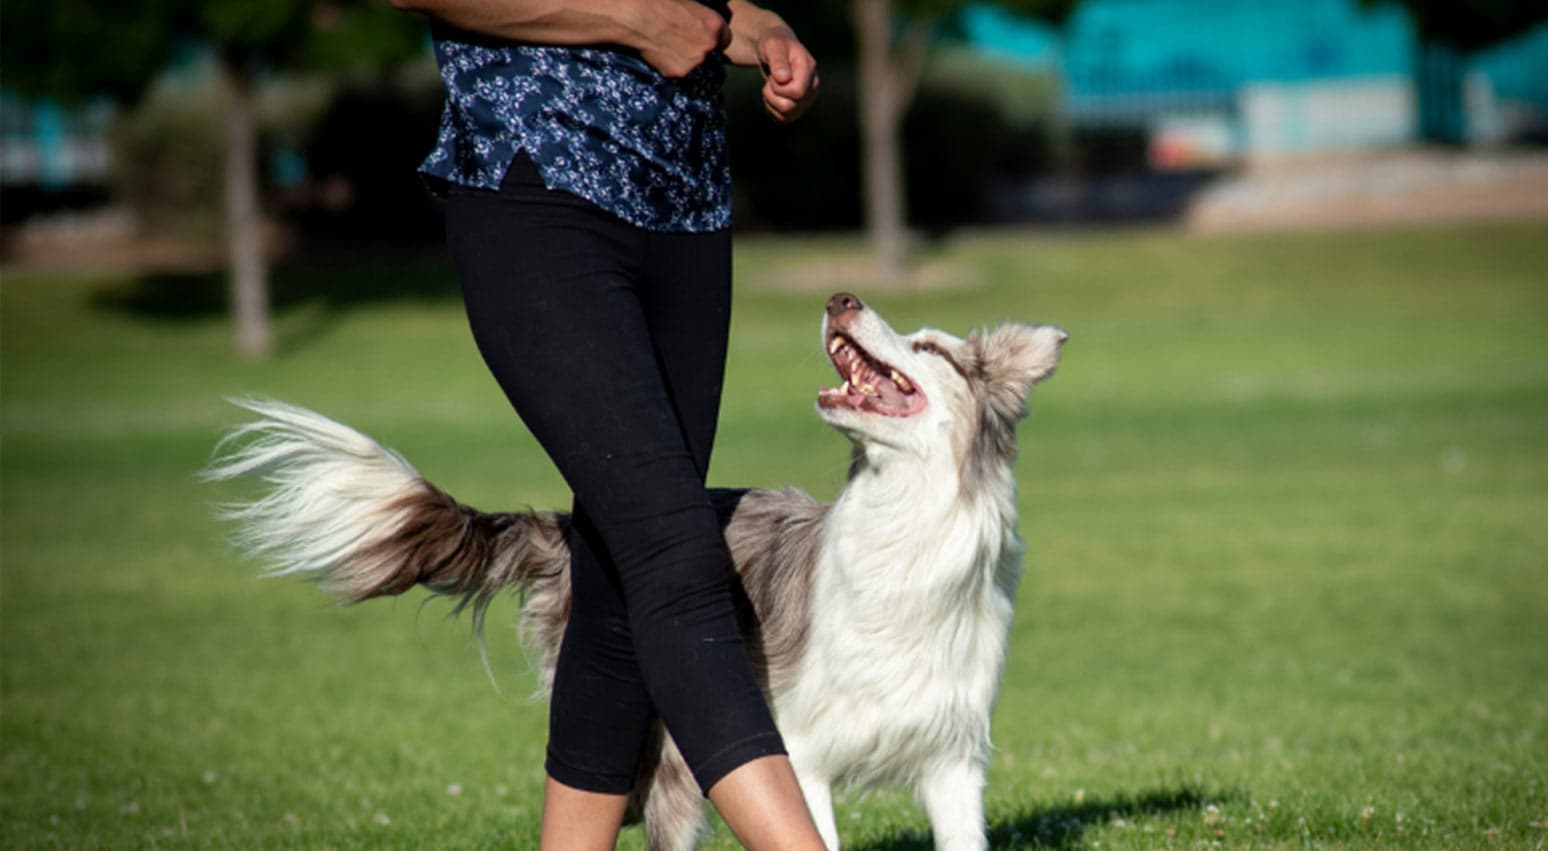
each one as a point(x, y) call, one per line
point(1375, 189)
point(109, 239)
point(858, 273)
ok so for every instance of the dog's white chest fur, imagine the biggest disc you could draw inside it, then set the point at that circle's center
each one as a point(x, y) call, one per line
point(908, 639)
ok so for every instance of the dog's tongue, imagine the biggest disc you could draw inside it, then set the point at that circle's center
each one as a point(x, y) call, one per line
point(891, 396)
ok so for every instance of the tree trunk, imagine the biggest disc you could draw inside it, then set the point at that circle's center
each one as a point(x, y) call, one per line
point(244, 249)
point(882, 98)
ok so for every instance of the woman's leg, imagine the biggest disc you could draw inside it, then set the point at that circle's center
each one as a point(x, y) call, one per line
point(529, 261)
point(560, 322)
point(759, 800)
point(577, 820)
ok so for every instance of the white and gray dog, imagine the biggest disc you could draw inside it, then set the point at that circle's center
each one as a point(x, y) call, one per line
point(881, 619)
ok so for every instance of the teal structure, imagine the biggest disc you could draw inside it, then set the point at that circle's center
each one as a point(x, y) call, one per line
point(1272, 75)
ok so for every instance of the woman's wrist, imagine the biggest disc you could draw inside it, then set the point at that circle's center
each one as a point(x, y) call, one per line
point(750, 25)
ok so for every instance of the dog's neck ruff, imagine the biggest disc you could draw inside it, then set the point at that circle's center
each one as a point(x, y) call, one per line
point(911, 526)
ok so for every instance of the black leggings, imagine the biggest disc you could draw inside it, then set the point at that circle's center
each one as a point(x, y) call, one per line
point(610, 342)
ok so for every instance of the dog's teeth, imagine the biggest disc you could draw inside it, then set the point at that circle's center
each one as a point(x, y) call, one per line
point(835, 344)
point(903, 384)
point(844, 388)
point(868, 389)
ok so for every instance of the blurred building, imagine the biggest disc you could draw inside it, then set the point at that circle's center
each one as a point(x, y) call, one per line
point(45, 144)
point(1213, 81)
point(1506, 90)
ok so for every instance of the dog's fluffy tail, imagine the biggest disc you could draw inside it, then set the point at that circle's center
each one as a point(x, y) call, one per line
point(342, 508)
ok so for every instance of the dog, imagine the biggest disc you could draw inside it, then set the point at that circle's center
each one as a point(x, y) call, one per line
point(881, 620)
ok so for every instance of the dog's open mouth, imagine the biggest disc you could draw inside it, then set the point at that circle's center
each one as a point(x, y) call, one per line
point(869, 384)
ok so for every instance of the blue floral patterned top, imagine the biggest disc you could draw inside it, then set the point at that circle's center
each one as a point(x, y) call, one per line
point(599, 123)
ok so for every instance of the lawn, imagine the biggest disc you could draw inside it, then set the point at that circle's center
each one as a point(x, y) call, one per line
point(1286, 506)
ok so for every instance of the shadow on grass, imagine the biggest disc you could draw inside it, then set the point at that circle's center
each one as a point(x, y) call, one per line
point(329, 282)
point(1065, 826)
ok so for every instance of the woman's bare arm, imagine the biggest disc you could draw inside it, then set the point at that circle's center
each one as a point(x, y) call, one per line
point(674, 36)
point(761, 39)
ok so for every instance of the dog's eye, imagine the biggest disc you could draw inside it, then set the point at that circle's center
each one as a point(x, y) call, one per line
point(935, 349)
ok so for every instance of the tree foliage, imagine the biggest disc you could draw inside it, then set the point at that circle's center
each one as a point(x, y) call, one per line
point(77, 49)
point(80, 49)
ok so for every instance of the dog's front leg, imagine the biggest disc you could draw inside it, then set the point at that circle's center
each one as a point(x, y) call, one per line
point(953, 797)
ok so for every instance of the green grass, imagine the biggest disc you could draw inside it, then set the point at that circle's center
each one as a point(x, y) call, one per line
point(1286, 506)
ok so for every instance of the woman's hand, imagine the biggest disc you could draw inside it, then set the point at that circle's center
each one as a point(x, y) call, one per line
point(675, 36)
point(761, 39)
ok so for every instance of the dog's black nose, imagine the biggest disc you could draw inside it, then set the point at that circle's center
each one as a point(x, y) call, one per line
point(843, 303)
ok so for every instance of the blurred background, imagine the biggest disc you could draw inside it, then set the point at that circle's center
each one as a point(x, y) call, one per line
point(1284, 500)
point(167, 135)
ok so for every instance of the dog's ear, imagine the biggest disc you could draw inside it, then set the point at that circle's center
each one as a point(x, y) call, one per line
point(1012, 358)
